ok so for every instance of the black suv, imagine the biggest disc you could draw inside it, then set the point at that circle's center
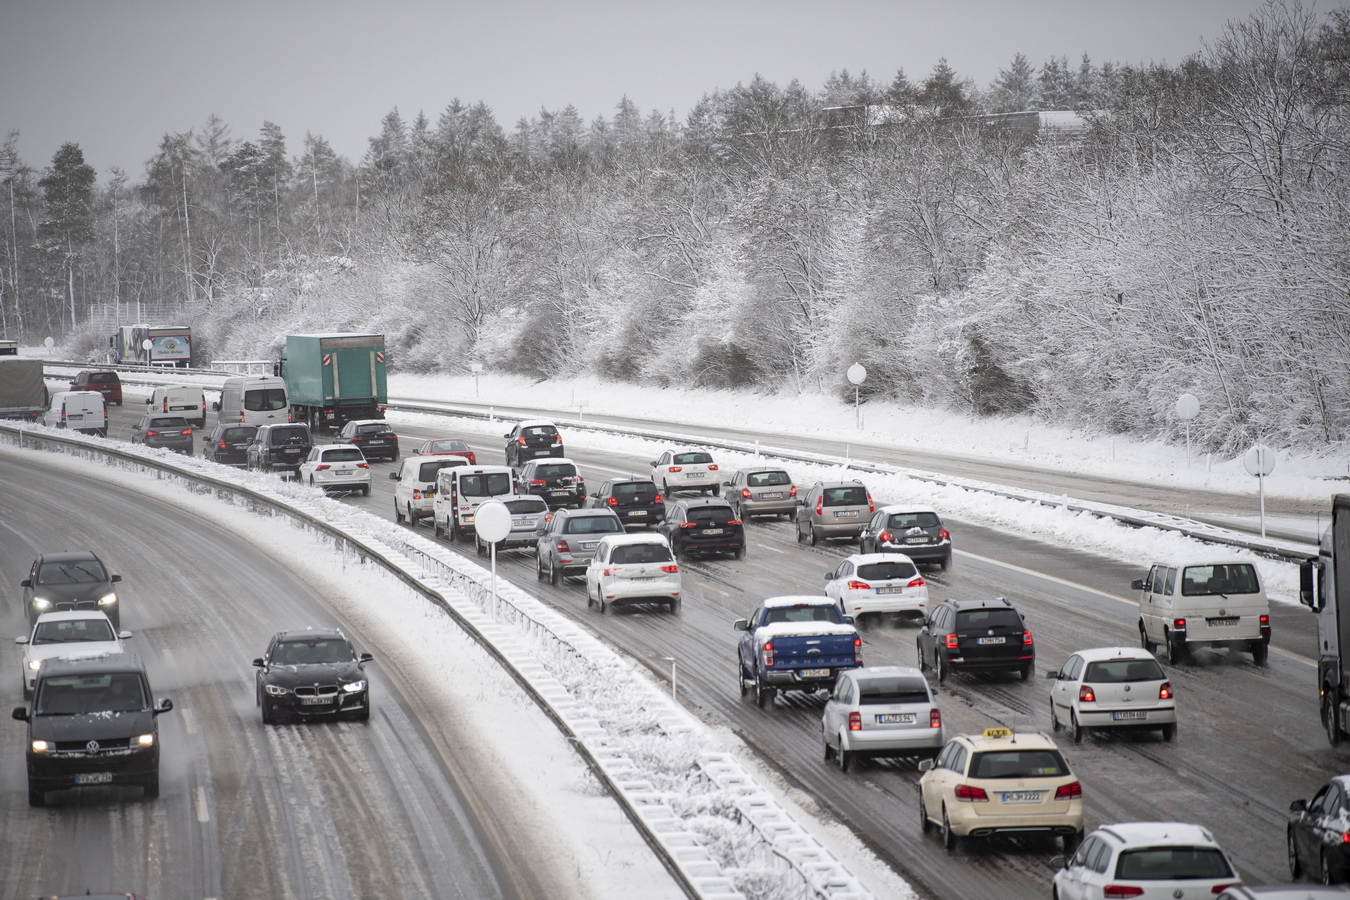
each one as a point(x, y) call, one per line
point(69, 580)
point(228, 444)
point(556, 480)
point(901, 529)
point(280, 447)
point(530, 440)
point(92, 722)
point(314, 672)
point(636, 501)
point(374, 437)
point(703, 525)
point(976, 634)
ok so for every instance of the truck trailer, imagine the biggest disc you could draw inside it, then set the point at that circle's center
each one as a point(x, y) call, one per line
point(1324, 586)
point(170, 345)
point(23, 393)
point(332, 379)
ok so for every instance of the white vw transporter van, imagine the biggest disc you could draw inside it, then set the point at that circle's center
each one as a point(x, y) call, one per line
point(1187, 604)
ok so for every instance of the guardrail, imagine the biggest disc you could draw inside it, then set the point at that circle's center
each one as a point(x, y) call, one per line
point(537, 647)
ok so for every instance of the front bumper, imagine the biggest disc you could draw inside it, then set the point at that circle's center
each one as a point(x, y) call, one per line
point(342, 703)
point(58, 770)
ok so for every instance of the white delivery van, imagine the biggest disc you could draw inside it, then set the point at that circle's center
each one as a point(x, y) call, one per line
point(1214, 602)
point(187, 400)
point(83, 411)
point(416, 489)
point(253, 400)
point(461, 490)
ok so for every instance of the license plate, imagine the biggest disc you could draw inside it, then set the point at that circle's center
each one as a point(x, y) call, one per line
point(815, 673)
point(896, 719)
point(693, 475)
point(376, 442)
point(182, 407)
point(94, 778)
point(1140, 714)
point(889, 590)
point(72, 416)
point(637, 512)
point(1021, 796)
point(589, 546)
point(1231, 620)
point(642, 578)
point(315, 701)
point(992, 640)
point(714, 531)
point(916, 540)
point(345, 471)
point(519, 522)
point(774, 496)
point(559, 493)
point(846, 514)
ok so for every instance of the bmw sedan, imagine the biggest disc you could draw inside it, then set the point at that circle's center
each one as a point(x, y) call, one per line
point(309, 673)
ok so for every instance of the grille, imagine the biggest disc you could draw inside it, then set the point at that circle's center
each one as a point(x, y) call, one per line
point(318, 690)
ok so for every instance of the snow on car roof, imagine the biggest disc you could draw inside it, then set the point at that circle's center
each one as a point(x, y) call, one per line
point(533, 423)
point(627, 539)
point(1156, 833)
point(804, 629)
point(803, 599)
point(1099, 653)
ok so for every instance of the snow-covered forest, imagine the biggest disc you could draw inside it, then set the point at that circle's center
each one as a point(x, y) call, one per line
point(1190, 233)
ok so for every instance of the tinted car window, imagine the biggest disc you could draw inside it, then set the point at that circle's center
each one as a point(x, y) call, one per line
point(1018, 764)
point(764, 479)
point(239, 433)
point(885, 570)
point(312, 652)
point(533, 504)
point(265, 399)
point(711, 515)
point(539, 431)
point(1117, 671)
point(168, 422)
point(427, 471)
point(289, 434)
point(73, 630)
point(1203, 581)
point(892, 690)
point(593, 525)
point(855, 495)
point(78, 695)
point(80, 571)
point(555, 470)
point(448, 446)
point(102, 378)
point(640, 553)
point(1172, 863)
point(978, 619)
point(487, 485)
point(804, 614)
point(635, 490)
point(691, 458)
point(912, 520)
point(343, 454)
point(373, 428)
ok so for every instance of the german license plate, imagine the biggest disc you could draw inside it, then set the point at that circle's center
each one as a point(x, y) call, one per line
point(345, 471)
point(916, 540)
point(992, 640)
point(182, 407)
point(94, 778)
point(714, 531)
point(315, 701)
point(815, 673)
point(643, 578)
point(896, 719)
point(590, 545)
point(846, 514)
point(889, 590)
point(74, 416)
point(522, 521)
point(637, 512)
point(559, 493)
point(692, 475)
point(1229, 620)
point(1130, 714)
point(777, 495)
point(1021, 796)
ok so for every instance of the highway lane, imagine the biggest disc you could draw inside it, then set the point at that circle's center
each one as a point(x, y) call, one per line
point(297, 811)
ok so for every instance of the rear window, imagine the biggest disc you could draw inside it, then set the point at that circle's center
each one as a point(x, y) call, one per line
point(168, 422)
point(485, 485)
point(886, 571)
point(892, 690)
point(635, 490)
point(691, 458)
point(593, 525)
point(265, 399)
point(449, 447)
point(555, 470)
point(103, 378)
point(854, 495)
point(343, 454)
point(640, 553)
point(913, 520)
point(373, 428)
point(427, 470)
point(1205, 581)
point(1119, 671)
point(290, 434)
point(1172, 863)
point(980, 619)
point(767, 479)
point(540, 431)
point(239, 433)
point(77, 695)
point(1018, 764)
point(712, 515)
point(530, 505)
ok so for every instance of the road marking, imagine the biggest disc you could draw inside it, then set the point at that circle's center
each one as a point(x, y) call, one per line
point(203, 812)
point(1289, 654)
point(189, 721)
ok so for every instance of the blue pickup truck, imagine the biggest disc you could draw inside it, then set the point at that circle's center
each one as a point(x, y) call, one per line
point(795, 644)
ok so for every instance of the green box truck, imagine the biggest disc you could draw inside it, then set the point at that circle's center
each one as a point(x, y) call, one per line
point(332, 379)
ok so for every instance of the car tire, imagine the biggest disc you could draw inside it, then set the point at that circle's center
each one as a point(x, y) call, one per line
point(603, 607)
point(947, 835)
point(925, 824)
point(811, 537)
point(1326, 876)
point(1169, 732)
point(740, 673)
point(1176, 649)
point(151, 788)
point(412, 519)
point(792, 515)
point(1143, 638)
point(1331, 716)
point(674, 606)
point(845, 757)
point(918, 654)
point(763, 695)
point(1295, 867)
point(946, 562)
point(739, 552)
point(1071, 842)
point(1260, 653)
point(1055, 725)
point(938, 667)
point(717, 490)
point(1075, 730)
point(365, 490)
point(436, 527)
point(539, 567)
point(801, 537)
point(1027, 670)
point(824, 739)
point(364, 714)
point(665, 489)
point(554, 574)
point(398, 514)
point(478, 547)
point(451, 531)
point(36, 797)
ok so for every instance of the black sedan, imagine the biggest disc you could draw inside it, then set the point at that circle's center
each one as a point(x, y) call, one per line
point(71, 579)
point(1317, 834)
point(309, 673)
point(228, 444)
point(168, 432)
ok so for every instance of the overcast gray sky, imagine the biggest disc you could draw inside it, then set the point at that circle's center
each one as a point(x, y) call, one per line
point(115, 76)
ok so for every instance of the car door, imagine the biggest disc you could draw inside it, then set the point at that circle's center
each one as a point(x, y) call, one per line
point(594, 568)
point(836, 709)
point(746, 646)
point(1327, 827)
point(926, 632)
point(1307, 829)
point(1064, 689)
point(1147, 609)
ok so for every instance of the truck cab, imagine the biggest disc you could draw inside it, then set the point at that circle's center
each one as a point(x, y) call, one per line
point(1324, 587)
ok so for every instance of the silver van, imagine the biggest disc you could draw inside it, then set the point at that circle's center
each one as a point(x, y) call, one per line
point(253, 400)
point(83, 411)
point(1188, 604)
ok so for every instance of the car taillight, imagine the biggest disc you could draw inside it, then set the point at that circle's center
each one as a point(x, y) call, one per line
point(970, 793)
point(745, 492)
point(855, 721)
point(612, 502)
point(943, 535)
point(820, 504)
point(537, 481)
point(222, 445)
point(363, 465)
point(934, 718)
point(857, 650)
point(871, 507)
point(1069, 791)
point(1265, 624)
point(712, 467)
point(793, 491)
point(733, 521)
point(1220, 888)
point(951, 642)
point(187, 431)
point(521, 440)
point(671, 569)
point(660, 499)
point(1115, 891)
point(417, 494)
point(859, 586)
point(609, 572)
point(688, 524)
point(885, 537)
point(562, 547)
point(166, 404)
point(473, 460)
point(767, 651)
point(1178, 624)
point(149, 432)
point(917, 582)
point(674, 468)
point(1086, 695)
point(1165, 692)
point(321, 468)
point(1026, 637)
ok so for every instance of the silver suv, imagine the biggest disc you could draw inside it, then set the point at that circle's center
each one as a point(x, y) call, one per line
point(566, 541)
point(833, 509)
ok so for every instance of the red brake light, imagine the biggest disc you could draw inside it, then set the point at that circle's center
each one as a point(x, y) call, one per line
point(1026, 637)
point(734, 522)
point(1165, 692)
point(859, 586)
point(1069, 791)
point(767, 650)
point(885, 537)
point(1179, 624)
point(537, 481)
point(187, 431)
point(871, 507)
point(970, 793)
point(612, 501)
point(688, 524)
point(321, 468)
point(857, 650)
point(855, 721)
point(563, 548)
point(149, 432)
point(521, 440)
point(934, 718)
point(673, 468)
point(793, 492)
point(745, 492)
point(222, 445)
point(951, 642)
point(820, 504)
point(1220, 888)
point(917, 582)
point(712, 467)
point(943, 535)
point(671, 569)
point(1086, 695)
point(660, 499)
point(473, 460)
point(363, 465)
point(1117, 891)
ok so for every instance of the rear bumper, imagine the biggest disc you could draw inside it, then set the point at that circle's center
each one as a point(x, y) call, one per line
point(766, 507)
point(919, 552)
point(625, 591)
point(896, 742)
point(790, 679)
point(1155, 717)
point(829, 529)
point(886, 603)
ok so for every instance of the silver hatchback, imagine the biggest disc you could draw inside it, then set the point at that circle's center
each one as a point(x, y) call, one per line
point(881, 711)
point(833, 509)
point(525, 515)
point(761, 492)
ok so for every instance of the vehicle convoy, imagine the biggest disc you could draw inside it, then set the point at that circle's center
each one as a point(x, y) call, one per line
point(170, 345)
point(333, 379)
point(1324, 586)
point(1203, 603)
point(23, 393)
point(795, 643)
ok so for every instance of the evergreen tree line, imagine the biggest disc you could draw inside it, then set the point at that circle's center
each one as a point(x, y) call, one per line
point(1190, 237)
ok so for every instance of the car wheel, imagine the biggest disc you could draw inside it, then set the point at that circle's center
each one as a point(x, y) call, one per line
point(1326, 875)
point(1169, 732)
point(1027, 670)
point(1176, 649)
point(1260, 652)
point(717, 490)
point(792, 515)
point(398, 514)
point(436, 527)
point(1295, 867)
point(1055, 724)
point(451, 531)
point(811, 535)
point(740, 677)
point(948, 836)
point(364, 714)
point(268, 716)
point(739, 552)
point(1331, 716)
point(665, 488)
point(365, 490)
point(675, 605)
point(845, 758)
point(1143, 638)
point(925, 824)
point(824, 739)
point(152, 788)
point(946, 562)
point(763, 695)
point(918, 654)
point(539, 567)
point(554, 573)
point(1075, 730)
point(1071, 842)
point(412, 519)
point(939, 667)
point(36, 797)
point(601, 601)
point(801, 538)
point(478, 547)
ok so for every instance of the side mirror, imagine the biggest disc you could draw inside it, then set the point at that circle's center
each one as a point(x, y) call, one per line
point(1137, 584)
point(20, 713)
point(147, 400)
point(829, 576)
point(654, 464)
point(116, 578)
point(163, 706)
point(925, 765)
point(215, 406)
point(1052, 675)
point(26, 583)
point(741, 625)
point(21, 639)
point(1298, 806)
point(848, 620)
point(393, 476)
point(366, 657)
point(259, 662)
point(1058, 862)
point(507, 436)
point(1307, 585)
point(124, 635)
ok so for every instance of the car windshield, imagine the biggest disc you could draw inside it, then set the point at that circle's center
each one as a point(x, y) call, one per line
point(343, 454)
point(168, 422)
point(635, 490)
point(373, 428)
point(912, 520)
point(312, 651)
point(854, 495)
point(556, 470)
point(981, 619)
point(1018, 764)
point(803, 613)
point(1205, 581)
point(526, 505)
point(890, 570)
point(892, 690)
point(1118, 671)
point(427, 470)
point(265, 399)
point(607, 524)
point(449, 447)
point(711, 515)
point(640, 553)
point(75, 571)
point(1172, 864)
point(767, 479)
point(77, 695)
point(490, 484)
point(72, 631)
point(685, 459)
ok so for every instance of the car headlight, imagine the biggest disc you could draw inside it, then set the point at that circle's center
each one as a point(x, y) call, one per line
point(42, 603)
point(352, 687)
point(107, 599)
point(276, 690)
point(35, 664)
point(145, 740)
point(41, 746)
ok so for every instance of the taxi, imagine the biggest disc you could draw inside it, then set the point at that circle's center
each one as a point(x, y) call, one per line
point(1000, 782)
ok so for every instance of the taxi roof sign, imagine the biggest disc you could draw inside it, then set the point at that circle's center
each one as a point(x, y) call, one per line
point(997, 733)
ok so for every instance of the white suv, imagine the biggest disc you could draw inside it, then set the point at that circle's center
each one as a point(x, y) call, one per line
point(686, 470)
point(633, 568)
point(1147, 860)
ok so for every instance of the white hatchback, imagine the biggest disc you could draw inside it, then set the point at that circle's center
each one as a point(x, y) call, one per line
point(633, 568)
point(1149, 860)
point(870, 586)
point(338, 467)
point(67, 635)
point(1112, 687)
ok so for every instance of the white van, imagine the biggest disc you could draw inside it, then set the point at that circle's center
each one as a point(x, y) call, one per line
point(253, 400)
point(1187, 604)
point(461, 490)
point(84, 411)
point(188, 400)
point(416, 489)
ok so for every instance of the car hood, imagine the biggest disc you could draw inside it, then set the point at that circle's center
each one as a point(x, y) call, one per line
point(91, 726)
point(73, 592)
point(71, 650)
point(314, 673)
